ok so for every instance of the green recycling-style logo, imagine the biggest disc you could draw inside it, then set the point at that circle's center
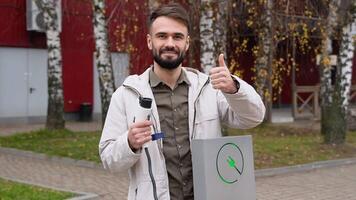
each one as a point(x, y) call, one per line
point(230, 163)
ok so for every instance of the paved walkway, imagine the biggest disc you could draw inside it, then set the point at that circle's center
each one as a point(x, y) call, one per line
point(335, 183)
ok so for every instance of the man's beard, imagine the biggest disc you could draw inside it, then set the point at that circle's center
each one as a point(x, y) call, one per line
point(169, 64)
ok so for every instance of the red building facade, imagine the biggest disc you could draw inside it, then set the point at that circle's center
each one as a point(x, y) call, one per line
point(127, 33)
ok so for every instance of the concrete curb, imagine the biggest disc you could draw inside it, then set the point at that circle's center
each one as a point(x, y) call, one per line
point(79, 195)
point(304, 167)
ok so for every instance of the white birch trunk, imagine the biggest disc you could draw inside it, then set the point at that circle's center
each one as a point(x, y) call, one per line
point(103, 58)
point(325, 66)
point(207, 49)
point(55, 112)
point(346, 58)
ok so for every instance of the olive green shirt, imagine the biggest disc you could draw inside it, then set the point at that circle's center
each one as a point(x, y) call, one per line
point(172, 108)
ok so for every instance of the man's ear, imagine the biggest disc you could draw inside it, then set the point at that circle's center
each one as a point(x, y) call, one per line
point(187, 43)
point(149, 41)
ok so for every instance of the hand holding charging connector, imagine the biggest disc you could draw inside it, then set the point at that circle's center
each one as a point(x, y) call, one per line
point(140, 131)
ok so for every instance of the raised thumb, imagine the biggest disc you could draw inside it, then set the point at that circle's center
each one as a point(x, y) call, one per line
point(221, 60)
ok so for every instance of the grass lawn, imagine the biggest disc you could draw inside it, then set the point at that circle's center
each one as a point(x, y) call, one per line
point(274, 146)
point(10, 190)
point(65, 143)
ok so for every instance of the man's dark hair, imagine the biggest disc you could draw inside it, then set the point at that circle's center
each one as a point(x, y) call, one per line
point(172, 10)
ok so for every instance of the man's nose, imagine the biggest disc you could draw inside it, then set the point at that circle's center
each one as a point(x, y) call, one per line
point(170, 42)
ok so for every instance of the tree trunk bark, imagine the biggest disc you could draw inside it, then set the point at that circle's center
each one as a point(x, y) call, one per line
point(194, 34)
point(220, 29)
point(103, 58)
point(207, 59)
point(264, 60)
point(327, 119)
point(335, 98)
point(55, 112)
point(337, 112)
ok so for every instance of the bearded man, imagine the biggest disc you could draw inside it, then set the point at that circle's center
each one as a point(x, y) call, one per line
point(187, 105)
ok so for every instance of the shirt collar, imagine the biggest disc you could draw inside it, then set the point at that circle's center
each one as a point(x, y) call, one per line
point(155, 80)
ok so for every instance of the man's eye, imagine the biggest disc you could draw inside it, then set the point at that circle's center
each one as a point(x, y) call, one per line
point(178, 37)
point(161, 36)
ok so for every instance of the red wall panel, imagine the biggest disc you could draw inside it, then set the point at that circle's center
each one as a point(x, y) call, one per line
point(77, 50)
point(13, 26)
point(127, 31)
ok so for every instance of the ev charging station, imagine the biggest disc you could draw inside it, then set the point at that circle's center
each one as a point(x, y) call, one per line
point(223, 168)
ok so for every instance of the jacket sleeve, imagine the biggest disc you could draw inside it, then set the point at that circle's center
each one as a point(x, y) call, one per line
point(114, 149)
point(243, 109)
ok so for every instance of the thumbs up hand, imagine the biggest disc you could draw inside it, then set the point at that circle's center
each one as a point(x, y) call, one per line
point(221, 79)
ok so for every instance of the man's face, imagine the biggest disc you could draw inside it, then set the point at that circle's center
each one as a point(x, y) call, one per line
point(169, 41)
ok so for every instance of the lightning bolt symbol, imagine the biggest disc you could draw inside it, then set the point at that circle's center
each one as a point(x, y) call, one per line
point(232, 164)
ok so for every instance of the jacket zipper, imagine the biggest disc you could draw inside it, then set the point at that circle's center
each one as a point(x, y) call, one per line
point(195, 109)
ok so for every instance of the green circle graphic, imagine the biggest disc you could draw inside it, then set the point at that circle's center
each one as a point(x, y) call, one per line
point(231, 163)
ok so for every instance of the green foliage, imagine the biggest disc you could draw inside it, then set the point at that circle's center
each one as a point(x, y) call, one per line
point(10, 190)
point(65, 143)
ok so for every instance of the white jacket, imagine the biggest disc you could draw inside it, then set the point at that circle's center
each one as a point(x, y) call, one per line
point(207, 108)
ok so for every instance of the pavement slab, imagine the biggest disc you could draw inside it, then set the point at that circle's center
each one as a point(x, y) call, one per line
point(332, 183)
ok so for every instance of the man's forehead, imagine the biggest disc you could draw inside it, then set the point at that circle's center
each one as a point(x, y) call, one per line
point(168, 25)
point(168, 33)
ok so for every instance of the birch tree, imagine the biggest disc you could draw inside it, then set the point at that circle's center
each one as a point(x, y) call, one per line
point(207, 48)
point(261, 20)
point(55, 112)
point(103, 58)
point(265, 57)
point(194, 34)
point(335, 97)
point(220, 28)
